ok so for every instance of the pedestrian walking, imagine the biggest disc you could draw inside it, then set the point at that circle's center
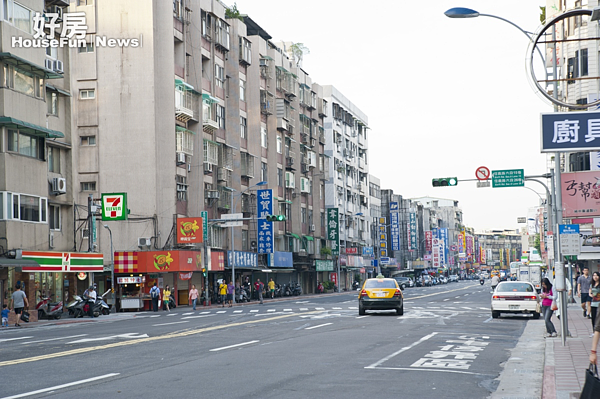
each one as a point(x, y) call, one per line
point(5, 312)
point(595, 340)
point(272, 288)
point(223, 292)
point(583, 289)
point(595, 296)
point(193, 296)
point(18, 303)
point(547, 296)
point(230, 292)
point(259, 288)
point(154, 295)
point(166, 297)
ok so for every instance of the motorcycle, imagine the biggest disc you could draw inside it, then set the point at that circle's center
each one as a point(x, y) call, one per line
point(277, 291)
point(241, 295)
point(481, 281)
point(297, 290)
point(48, 310)
point(287, 290)
point(100, 306)
point(320, 288)
point(355, 285)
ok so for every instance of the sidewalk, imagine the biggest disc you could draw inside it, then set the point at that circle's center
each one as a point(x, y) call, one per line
point(564, 367)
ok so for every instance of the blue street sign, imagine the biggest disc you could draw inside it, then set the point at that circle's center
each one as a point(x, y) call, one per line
point(264, 206)
point(570, 131)
point(384, 260)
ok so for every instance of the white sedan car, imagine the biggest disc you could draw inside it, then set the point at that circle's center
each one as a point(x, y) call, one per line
point(515, 297)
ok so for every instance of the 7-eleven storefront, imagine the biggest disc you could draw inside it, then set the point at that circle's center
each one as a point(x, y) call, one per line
point(57, 274)
point(137, 271)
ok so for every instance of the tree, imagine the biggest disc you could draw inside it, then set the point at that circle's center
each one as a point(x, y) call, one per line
point(325, 251)
point(233, 12)
point(298, 51)
point(536, 244)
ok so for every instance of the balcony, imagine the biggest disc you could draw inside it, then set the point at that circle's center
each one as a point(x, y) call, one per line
point(209, 114)
point(184, 103)
point(361, 163)
point(224, 201)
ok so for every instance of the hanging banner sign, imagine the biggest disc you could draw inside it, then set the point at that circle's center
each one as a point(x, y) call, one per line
point(333, 230)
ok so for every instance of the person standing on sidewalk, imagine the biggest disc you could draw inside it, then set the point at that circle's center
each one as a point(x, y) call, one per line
point(154, 295)
point(230, 293)
point(193, 295)
point(18, 303)
point(547, 296)
point(583, 289)
point(595, 296)
point(223, 292)
point(166, 297)
point(259, 288)
point(272, 288)
point(593, 357)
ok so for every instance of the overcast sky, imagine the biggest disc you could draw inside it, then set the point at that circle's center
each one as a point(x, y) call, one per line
point(443, 96)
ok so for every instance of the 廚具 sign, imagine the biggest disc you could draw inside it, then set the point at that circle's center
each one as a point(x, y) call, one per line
point(570, 131)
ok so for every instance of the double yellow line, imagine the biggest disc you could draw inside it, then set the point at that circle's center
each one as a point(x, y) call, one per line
point(87, 350)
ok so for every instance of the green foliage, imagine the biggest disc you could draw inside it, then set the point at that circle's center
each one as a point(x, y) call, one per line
point(536, 243)
point(328, 285)
point(325, 251)
point(233, 13)
point(298, 50)
point(543, 15)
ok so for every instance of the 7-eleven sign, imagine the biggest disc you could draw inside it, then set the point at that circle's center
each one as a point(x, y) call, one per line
point(114, 206)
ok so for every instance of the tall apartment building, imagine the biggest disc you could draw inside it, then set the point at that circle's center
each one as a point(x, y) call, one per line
point(36, 196)
point(347, 148)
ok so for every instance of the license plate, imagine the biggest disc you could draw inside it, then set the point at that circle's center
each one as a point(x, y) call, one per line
point(513, 307)
point(380, 294)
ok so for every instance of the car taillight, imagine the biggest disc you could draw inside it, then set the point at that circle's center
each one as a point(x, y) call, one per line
point(498, 297)
point(363, 293)
point(398, 292)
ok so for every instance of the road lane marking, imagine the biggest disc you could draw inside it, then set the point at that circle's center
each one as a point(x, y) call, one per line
point(197, 317)
point(303, 309)
point(221, 311)
point(361, 317)
point(204, 312)
point(187, 314)
point(126, 336)
point(13, 339)
point(254, 311)
point(70, 384)
point(438, 293)
point(320, 325)
point(273, 310)
point(168, 324)
point(233, 346)
point(464, 307)
point(288, 310)
point(417, 369)
point(319, 308)
point(336, 308)
point(87, 350)
point(237, 311)
point(488, 320)
point(385, 359)
point(447, 299)
point(175, 314)
point(155, 316)
point(53, 339)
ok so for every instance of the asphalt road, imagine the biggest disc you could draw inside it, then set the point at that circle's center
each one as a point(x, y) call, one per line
point(446, 345)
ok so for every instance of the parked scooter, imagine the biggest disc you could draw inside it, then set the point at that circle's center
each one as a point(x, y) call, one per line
point(320, 288)
point(241, 295)
point(75, 307)
point(297, 289)
point(100, 306)
point(287, 290)
point(48, 310)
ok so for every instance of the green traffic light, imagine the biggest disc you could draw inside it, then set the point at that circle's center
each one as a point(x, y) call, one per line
point(275, 218)
point(444, 182)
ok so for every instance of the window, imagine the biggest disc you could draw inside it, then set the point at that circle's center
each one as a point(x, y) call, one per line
point(303, 215)
point(54, 217)
point(22, 18)
point(54, 159)
point(206, 24)
point(28, 208)
point(263, 172)
point(280, 177)
point(23, 82)
point(279, 145)
point(219, 76)
point(52, 52)
point(87, 94)
point(182, 188)
point(243, 127)
point(85, 3)
point(88, 140)
point(221, 116)
point(25, 144)
point(242, 90)
point(88, 186)
point(52, 100)
point(263, 137)
point(88, 48)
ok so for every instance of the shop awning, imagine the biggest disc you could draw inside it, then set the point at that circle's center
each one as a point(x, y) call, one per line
point(294, 235)
point(284, 200)
point(589, 256)
point(27, 127)
point(212, 142)
point(308, 238)
point(29, 67)
point(185, 86)
point(266, 57)
point(282, 69)
point(61, 91)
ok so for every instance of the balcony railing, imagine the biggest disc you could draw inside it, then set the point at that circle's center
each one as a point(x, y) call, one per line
point(184, 103)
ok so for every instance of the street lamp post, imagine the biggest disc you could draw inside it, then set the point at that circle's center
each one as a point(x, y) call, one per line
point(461, 12)
point(112, 270)
point(233, 209)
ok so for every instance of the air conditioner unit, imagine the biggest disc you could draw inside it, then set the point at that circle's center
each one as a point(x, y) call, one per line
point(180, 158)
point(208, 167)
point(58, 66)
point(212, 194)
point(302, 252)
point(144, 242)
point(312, 227)
point(290, 161)
point(49, 64)
point(262, 62)
point(59, 185)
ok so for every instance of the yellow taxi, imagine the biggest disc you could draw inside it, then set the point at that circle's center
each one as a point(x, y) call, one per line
point(380, 293)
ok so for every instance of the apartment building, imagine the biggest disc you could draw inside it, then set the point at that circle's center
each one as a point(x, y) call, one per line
point(346, 147)
point(36, 171)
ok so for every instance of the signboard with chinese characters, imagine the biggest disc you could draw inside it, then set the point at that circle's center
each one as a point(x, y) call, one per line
point(129, 280)
point(428, 238)
point(324, 265)
point(242, 259)
point(395, 226)
point(189, 230)
point(570, 131)
point(435, 256)
point(264, 205)
point(413, 230)
point(281, 259)
point(114, 206)
point(204, 216)
point(333, 230)
point(352, 251)
point(508, 178)
point(382, 247)
point(443, 244)
point(569, 239)
point(581, 194)
point(367, 251)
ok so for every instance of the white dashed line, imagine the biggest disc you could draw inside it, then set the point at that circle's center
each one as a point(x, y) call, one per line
point(271, 310)
point(254, 311)
point(168, 324)
point(222, 311)
point(187, 314)
point(320, 325)
point(319, 308)
point(303, 309)
point(237, 311)
point(287, 310)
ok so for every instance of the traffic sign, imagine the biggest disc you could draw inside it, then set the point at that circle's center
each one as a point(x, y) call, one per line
point(482, 184)
point(508, 178)
point(227, 216)
point(384, 260)
point(482, 173)
point(569, 239)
